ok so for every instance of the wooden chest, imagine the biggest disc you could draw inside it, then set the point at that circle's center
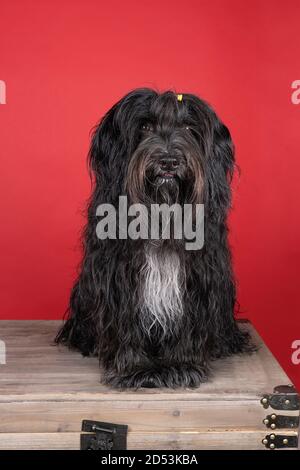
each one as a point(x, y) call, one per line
point(47, 392)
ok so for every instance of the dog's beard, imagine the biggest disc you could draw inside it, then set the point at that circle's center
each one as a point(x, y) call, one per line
point(147, 183)
point(162, 290)
point(168, 190)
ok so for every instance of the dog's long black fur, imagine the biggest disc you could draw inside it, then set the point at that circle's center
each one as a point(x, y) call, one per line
point(107, 316)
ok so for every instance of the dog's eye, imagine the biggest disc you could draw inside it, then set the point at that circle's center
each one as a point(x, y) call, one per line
point(147, 127)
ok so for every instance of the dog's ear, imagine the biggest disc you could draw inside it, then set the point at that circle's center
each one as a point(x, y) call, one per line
point(104, 142)
point(220, 168)
point(223, 148)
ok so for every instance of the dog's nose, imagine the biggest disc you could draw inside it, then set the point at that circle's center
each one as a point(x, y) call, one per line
point(169, 163)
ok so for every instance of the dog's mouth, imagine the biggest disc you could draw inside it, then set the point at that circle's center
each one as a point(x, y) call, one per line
point(166, 177)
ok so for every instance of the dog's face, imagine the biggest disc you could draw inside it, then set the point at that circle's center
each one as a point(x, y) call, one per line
point(166, 164)
point(161, 148)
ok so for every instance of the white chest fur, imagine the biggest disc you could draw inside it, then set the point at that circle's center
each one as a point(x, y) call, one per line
point(162, 286)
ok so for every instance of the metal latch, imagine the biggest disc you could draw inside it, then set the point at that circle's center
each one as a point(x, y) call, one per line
point(284, 397)
point(103, 436)
point(274, 421)
point(278, 441)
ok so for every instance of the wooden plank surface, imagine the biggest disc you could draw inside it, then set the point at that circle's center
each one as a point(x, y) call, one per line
point(155, 415)
point(37, 370)
point(226, 440)
point(46, 391)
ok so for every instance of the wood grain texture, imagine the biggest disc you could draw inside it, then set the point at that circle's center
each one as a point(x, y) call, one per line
point(46, 391)
point(225, 440)
point(156, 415)
point(37, 369)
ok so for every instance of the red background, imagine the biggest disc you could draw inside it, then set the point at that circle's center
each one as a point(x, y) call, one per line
point(66, 62)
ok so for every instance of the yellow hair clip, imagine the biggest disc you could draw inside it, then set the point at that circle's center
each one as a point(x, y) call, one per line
point(179, 97)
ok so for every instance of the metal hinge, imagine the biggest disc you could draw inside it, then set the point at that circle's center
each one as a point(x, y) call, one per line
point(103, 436)
point(284, 397)
point(279, 441)
point(274, 421)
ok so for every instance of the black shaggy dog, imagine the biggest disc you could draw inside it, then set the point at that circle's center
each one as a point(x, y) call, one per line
point(153, 312)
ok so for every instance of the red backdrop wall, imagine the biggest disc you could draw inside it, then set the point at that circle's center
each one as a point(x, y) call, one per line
point(66, 62)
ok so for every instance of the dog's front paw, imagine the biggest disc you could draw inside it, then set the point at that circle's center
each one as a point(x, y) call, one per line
point(158, 377)
point(183, 375)
point(137, 379)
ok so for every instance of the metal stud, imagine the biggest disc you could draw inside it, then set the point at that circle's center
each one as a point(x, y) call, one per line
point(265, 441)
point(273, 426)
point(273, 416)
point(272, 436)
point(285, 441)
point(264, 400)
point(272, 446)
point(287, 402)
point(266, 421)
